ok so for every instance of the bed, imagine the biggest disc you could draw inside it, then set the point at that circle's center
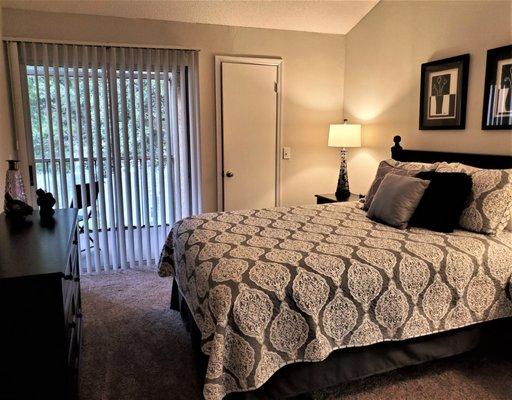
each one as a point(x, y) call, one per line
point(287, 300)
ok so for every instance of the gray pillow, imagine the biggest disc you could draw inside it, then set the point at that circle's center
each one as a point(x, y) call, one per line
point(396, 199)
point(394, 167)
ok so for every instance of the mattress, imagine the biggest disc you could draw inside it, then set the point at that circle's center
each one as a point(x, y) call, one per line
point(277, 286)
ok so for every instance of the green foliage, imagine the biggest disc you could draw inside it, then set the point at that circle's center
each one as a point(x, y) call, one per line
point(41, 123)
point(44, 113)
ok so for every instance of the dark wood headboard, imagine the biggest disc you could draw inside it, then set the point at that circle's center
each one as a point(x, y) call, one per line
point(475, 160)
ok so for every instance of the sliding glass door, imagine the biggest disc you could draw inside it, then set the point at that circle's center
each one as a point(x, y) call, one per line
point(113, 132)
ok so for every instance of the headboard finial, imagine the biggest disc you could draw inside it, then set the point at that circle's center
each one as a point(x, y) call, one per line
point(397, 139)
point(396, 149)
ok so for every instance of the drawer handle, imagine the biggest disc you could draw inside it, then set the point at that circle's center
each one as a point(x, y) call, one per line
point(68, 277)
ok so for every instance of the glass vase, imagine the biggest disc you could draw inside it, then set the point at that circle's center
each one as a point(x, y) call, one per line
point(14, 183)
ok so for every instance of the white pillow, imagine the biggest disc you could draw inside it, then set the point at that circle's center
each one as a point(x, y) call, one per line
point(490, 204)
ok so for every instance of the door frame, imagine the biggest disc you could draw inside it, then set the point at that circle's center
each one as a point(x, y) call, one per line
point(271, 61)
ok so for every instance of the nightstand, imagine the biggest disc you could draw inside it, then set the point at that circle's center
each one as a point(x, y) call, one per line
point(331, 198)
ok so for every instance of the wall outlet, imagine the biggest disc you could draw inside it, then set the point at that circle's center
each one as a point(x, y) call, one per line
point(287, 153)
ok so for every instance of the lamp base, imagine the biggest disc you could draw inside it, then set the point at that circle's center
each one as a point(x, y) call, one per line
point(343, 195)
point(343, 190)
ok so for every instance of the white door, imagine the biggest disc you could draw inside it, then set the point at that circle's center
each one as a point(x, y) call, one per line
point(249, 107)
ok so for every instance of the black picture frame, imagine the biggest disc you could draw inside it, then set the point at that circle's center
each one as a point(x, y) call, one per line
point(443, 93)
point(497, 106)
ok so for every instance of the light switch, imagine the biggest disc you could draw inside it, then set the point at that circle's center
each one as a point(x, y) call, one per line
point(287, 153)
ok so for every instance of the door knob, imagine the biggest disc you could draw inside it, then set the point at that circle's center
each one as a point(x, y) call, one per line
point(230, 174)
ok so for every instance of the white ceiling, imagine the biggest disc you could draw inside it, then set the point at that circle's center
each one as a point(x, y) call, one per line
point(310, 16)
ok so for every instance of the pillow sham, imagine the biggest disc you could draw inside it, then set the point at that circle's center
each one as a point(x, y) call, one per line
point(415, 165)
point(396, 199)
point(490, 202)
point(444, 200)
point(397, 168)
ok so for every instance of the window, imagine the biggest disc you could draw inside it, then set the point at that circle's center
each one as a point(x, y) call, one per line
point(117, 128)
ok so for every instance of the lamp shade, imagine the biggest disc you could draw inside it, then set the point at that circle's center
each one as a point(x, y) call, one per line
point(344, 135)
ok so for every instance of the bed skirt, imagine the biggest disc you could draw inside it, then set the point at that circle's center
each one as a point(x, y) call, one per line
point(350, 364)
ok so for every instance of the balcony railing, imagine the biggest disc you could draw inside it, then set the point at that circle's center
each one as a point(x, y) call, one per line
point(44, 180)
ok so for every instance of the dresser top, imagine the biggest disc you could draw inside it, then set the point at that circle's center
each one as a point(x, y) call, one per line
point(33, 248)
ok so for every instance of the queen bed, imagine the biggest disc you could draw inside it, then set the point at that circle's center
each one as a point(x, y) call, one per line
point(287, 300)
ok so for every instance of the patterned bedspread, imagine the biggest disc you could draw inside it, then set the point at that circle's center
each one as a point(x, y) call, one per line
point(276, 286)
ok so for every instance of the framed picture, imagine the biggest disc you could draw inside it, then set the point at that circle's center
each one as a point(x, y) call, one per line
point(443, 93)
point(497, 111)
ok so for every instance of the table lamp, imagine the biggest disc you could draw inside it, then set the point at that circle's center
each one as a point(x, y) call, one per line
point(344, 135)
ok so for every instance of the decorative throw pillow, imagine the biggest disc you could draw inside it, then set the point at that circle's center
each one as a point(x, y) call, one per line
point(397, 199)
point(444, 200)
point(397, 168)
point(414, 165)
point(490, 203)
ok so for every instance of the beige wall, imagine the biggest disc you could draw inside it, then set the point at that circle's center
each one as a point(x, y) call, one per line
point(313, 83)
point(378, 79)
point(384, 53)
point(6, 131)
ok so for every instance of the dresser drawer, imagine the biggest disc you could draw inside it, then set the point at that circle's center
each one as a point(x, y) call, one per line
point(74, 339)
point(70, 283)
point(68, 292)
point(74, 258)
point(73, 356)
point(72, 308)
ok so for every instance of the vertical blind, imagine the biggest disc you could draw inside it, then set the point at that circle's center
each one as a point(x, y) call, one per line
point(116, 128)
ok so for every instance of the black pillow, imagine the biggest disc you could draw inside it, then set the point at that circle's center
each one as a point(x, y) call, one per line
point(443, 202)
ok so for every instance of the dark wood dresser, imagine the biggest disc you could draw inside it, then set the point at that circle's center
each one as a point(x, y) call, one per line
point(40, 308)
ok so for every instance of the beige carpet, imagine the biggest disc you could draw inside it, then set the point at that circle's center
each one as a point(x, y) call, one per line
point(135, 347)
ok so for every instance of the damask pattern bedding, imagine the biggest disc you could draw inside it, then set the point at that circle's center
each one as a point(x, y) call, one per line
point(276, 286)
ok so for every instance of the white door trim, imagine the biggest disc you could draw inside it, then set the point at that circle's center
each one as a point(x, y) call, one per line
point(219, 60)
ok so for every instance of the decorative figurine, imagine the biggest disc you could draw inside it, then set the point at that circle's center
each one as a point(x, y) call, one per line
point(45, 201)
point(15, 209)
